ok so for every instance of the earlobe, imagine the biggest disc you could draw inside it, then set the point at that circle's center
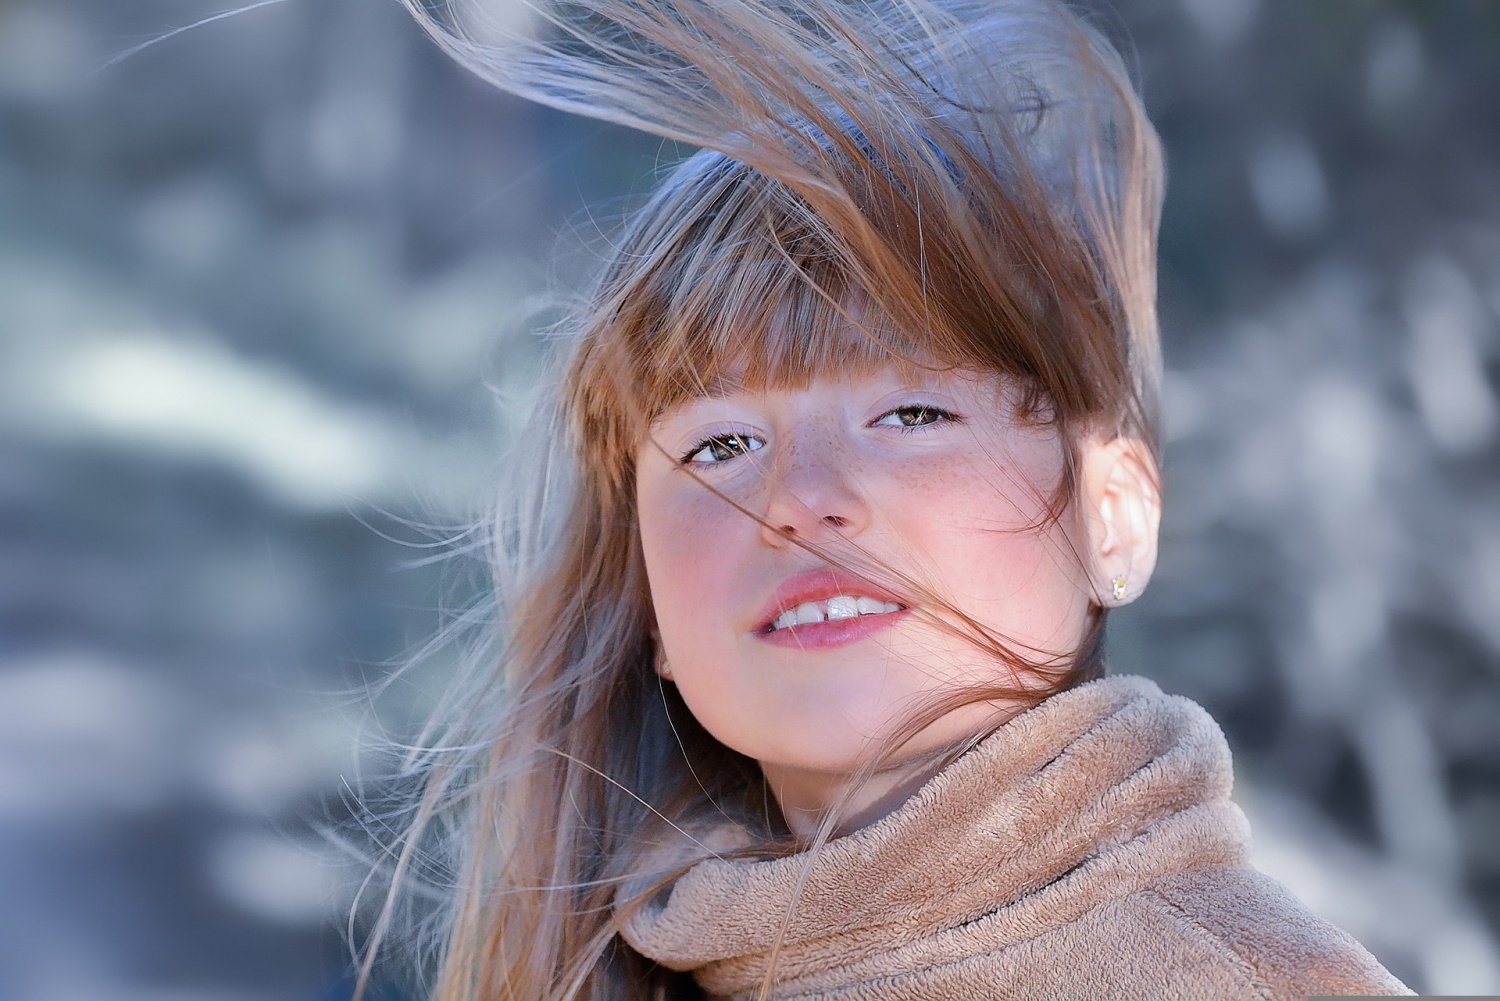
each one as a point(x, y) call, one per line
point(659, 658)
point(1120, 493)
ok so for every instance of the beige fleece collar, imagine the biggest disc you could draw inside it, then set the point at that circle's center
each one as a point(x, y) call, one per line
point(1089, 796)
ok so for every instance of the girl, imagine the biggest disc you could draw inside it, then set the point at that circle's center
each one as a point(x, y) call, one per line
point(799, 687)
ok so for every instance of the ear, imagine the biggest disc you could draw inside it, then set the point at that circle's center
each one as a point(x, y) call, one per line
point(1120, 497)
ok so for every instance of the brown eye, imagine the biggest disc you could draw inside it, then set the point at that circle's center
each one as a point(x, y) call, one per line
point(722, 448)
point(916, 416)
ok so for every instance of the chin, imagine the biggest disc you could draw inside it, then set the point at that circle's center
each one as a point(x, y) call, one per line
point(831, 750)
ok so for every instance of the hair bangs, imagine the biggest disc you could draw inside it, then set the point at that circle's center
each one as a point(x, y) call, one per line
point(765, 321)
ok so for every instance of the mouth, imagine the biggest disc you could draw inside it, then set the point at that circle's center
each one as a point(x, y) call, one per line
point(827, 608)
point(838, 608)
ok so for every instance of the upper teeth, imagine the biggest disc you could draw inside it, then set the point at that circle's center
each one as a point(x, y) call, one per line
point(840, 606)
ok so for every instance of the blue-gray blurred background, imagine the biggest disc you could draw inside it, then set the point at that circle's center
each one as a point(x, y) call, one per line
point(268, 294)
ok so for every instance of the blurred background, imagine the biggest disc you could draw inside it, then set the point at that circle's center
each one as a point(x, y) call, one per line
point(268, 294)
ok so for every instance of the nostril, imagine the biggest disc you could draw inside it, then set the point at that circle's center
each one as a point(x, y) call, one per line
point(837, 521)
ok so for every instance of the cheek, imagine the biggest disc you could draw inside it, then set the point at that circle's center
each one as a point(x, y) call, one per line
point(982, 530)
point(686, 541)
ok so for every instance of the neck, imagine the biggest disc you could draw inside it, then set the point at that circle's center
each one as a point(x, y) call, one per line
point(807, 797)
point(857, 798)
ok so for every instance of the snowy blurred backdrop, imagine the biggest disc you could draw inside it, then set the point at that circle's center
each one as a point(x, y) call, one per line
point(261, 283)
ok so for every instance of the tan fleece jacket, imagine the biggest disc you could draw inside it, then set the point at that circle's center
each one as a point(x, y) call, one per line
point(1086, 849)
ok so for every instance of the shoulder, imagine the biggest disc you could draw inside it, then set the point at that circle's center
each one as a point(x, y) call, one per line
point(1287, 948)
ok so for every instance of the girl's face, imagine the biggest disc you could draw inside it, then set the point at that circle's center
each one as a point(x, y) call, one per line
point(808, 670)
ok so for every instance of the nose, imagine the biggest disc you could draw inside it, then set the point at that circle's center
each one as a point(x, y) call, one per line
point(812, 499)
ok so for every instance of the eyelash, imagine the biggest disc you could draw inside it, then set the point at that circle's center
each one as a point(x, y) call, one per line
point(741, 443)
point(941, 415)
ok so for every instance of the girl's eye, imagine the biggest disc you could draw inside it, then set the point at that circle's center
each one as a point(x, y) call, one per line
point(915, 416)
point(722, 448)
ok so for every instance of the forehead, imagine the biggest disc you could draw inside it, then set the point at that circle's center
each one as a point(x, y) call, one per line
point(987, 393)
point(789, 342)
point(728, 382)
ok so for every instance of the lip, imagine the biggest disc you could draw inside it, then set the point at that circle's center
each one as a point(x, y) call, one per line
point(820, 585)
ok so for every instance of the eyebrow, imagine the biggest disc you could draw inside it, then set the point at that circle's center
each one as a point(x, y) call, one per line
point(720, 387)
point(717, 388)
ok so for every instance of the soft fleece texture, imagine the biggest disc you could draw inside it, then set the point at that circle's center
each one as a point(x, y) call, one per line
point(1086, 849)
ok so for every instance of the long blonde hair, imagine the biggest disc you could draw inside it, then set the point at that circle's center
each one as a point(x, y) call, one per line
point(970, 183)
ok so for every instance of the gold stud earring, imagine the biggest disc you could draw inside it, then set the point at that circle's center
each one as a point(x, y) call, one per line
point(1117, 584)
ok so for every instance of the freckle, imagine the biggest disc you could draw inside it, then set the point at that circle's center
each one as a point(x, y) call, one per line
point(919, 476)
